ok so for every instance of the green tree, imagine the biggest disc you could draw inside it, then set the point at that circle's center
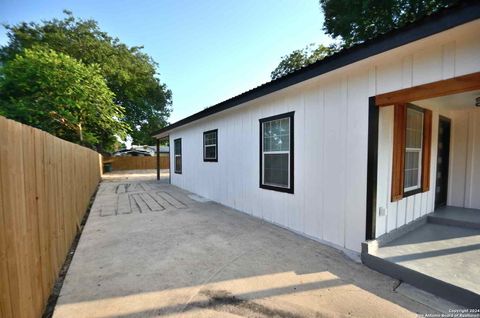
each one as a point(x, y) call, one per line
point(301, 58)
point(130, 74)
point(56, 93)
point(359, 20)
point(354, 21)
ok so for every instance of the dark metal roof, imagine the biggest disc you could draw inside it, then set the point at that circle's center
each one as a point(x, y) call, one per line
point(458, 14)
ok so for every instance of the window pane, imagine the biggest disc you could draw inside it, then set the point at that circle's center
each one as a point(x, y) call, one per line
point(414, 133)
point(276, 135)
point(178, 163)
point(211, 138)
point(276, 169)
point(412, 166)
point(178, 147)
point(210, 152)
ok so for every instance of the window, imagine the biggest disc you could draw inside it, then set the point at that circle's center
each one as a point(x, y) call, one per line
point(276, 153)
point(412, 134)
point(413, 150)
point(210, 145)
point(178, 155)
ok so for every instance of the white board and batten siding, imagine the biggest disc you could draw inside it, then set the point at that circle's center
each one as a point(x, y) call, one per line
point(464, 181)
point(451, 54)
point(330, 141)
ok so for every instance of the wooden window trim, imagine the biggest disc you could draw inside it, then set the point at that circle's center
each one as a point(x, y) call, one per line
point(398, 162)
point(427, 149)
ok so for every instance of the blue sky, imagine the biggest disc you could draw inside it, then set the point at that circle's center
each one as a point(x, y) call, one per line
point(207, 51)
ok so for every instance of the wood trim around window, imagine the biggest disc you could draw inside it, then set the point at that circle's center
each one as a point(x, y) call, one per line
point(398, 162)
point(426, 149)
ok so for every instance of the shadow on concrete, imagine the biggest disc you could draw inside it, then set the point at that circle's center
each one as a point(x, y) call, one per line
point(180, 259)
point(435, 253)
point(434, 232)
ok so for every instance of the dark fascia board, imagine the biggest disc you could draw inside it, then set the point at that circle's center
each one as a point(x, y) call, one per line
point(458, 14)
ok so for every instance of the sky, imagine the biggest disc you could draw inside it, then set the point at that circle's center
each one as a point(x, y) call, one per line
point(207, 51)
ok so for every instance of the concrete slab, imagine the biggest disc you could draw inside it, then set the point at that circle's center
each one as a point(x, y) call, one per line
point(447, 253)
point(148, 250)
point(450, 215)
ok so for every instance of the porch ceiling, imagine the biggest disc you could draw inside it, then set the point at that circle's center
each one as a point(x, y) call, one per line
point(462, 101)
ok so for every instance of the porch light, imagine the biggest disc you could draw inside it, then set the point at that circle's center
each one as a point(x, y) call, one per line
point(477, 101)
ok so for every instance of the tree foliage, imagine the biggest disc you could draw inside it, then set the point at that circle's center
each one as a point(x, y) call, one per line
point(354, 21)
point(359, 20)
point(56, 93)
point(130, 74)
point(301, 58)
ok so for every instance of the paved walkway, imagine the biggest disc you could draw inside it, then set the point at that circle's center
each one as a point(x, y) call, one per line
point(151, 249)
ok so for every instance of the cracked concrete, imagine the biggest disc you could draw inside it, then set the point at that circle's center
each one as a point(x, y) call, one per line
point(170, 255)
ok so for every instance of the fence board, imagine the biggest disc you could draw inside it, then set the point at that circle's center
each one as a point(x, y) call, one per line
point(5, 294)
point(45, 187)
point(137, 163)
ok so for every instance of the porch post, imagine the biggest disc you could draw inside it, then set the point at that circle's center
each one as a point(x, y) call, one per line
point(158, 159)
point(372, 167)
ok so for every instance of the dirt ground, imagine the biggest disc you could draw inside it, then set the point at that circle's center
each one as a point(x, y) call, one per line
point(150, 249)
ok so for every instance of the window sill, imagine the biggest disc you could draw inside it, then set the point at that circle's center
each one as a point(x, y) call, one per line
point(412, 192)
point(210, 160)
point(274, 188)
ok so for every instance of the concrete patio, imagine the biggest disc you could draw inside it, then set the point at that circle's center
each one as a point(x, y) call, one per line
point(151, 249)
point(439, 253)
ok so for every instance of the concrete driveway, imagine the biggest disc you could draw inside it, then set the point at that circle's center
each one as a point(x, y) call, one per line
point(151, 249)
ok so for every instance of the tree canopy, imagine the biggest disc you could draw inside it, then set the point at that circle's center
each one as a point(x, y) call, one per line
point(129, 73)
point(360, 20)
point(354, 21)
point(300, 58)
point(56, 93)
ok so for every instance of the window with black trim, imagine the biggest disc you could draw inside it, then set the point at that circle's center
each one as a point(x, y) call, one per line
point(210, 145)
point(178, 155)
point(276, 152)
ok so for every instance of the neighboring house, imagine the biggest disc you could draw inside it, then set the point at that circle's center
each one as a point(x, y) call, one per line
point(360, 146)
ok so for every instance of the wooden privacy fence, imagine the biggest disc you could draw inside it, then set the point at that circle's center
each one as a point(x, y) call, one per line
point(137, 163)
point(45, 187)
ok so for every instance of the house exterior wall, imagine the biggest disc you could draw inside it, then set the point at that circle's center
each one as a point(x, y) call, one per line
point(331, 124)
point(406, 210)
point(450, 54)
point(464, 168)
point(464, 181)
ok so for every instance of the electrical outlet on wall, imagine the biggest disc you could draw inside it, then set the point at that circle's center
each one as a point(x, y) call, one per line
point(382, 211)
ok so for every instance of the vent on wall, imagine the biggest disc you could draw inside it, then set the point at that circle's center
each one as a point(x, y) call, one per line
point(477, 101)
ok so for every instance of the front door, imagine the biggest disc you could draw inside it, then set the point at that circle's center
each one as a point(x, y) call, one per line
point(443, 153)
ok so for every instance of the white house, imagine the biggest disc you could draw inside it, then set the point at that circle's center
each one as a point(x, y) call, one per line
point(363, 146)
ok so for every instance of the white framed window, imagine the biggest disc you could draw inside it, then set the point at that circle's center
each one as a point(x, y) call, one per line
point(210, 146)
point(177, 152)
point(413, 149)
point(276, 152)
